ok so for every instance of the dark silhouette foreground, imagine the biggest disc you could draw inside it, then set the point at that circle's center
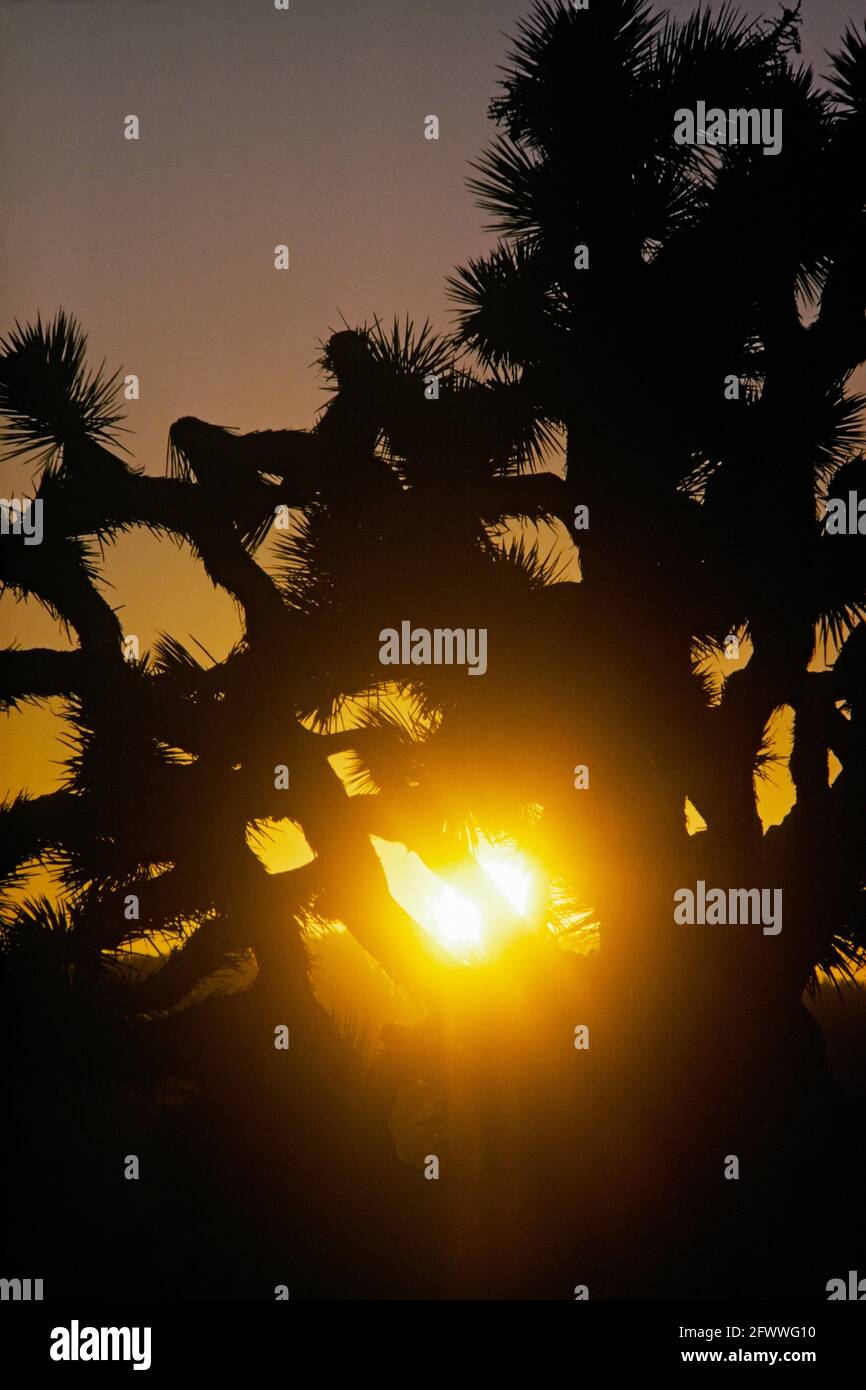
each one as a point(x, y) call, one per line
point(558, 1167)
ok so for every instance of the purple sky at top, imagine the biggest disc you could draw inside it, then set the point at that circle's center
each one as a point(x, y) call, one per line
point(257, 127)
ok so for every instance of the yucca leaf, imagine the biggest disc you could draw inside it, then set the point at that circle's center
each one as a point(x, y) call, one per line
point(48, 398)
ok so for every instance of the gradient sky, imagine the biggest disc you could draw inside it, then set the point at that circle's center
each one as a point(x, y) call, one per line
point(257, 127)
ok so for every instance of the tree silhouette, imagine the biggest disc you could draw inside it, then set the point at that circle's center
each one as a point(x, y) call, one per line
point(705, 262)
point(706, 518)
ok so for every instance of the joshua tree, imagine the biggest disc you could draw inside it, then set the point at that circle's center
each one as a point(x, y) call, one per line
point(172, 762)
point(688, 318)
point(702, 265)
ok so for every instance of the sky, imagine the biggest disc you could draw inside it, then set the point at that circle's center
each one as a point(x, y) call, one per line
point(258, 127)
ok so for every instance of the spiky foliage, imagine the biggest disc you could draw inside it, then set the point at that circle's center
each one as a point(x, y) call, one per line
point(48, 397)
point(406, 502)
point(411, 351)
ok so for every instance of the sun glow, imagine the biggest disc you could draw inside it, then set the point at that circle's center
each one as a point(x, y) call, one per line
point(508, 871)
point(467, 924)
point(455, 921)
point(458, 923)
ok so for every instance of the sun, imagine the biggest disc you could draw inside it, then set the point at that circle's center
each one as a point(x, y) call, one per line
point(466, 928)
point(457, 922)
